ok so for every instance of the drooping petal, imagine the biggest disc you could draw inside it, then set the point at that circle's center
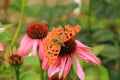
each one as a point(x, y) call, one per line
point(53, 67)
point(1, 47)
point(28, 47)
point(41, 51)
point(63, 62)
point(67, 66)
point(35, 46)
point(24, 42)
point(87, 56)
point(79, 70)
point(81, 45)
point(25, 38)
point(55, 71)
point(45, 63)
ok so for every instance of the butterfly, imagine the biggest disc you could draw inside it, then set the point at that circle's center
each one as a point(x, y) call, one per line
point(55, 39)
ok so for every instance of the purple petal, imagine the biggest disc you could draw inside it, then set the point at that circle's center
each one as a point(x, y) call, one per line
point(41, 51)
point(79, 70)
point(28, 47)
point(35, 46)
point(45, 63)
point(63, 61)
point(53, 67)
point(55, 71)
point(87, 56)
point(23, 44)
point(24, 39)
point(1, 47)
point(67, 66)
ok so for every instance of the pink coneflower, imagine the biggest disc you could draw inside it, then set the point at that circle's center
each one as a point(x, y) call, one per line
point(33, 38)
point(72, 49)
point(1, 46)
point(15, 59)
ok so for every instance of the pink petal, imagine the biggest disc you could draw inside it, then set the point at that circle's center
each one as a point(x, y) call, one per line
point(24, 39)
point(55, 71)
point(79, 70)
point(28, 47)
point(35, 46)
point(23, 44)
point(1, 47)
point(87, 56)
point(63, 61)
point(45, 63)
point(67, 66)
point(81, 45)
point(53, 67)
point(41, 51)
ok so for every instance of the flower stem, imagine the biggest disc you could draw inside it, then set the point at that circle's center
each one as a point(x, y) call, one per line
point(44, 2)
point(41, 71)
point(89, 14)
point(17, 73)
point(20, 23)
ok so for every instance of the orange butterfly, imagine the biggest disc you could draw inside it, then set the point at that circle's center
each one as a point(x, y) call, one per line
point(56, 38)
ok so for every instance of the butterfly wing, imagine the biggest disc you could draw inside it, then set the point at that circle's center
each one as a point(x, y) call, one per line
point(57, 33)
point(51, 47)
point(70, 32)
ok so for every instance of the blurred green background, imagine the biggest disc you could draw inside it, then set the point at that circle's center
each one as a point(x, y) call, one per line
point(100, 29)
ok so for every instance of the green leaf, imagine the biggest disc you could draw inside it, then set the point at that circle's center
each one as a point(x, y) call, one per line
point(31, 61)
point(103, 73)
point(1, 25)
point(97, 49)
point(110, 52)
point(30, 75)
point(92, 73)
point(85, 38)
point(103, 35)
point(69, 8)
point(33, 11)
point(57, 11)
point(5, 36)
point(114, 73)
point(73, 74)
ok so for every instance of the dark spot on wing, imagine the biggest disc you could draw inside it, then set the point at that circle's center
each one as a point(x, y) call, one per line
point(55, 54)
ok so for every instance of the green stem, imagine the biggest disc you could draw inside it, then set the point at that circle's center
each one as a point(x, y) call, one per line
point(89, 14)
point(44, 2)
point(19, 25)
point(17, 74)
point(41, 71)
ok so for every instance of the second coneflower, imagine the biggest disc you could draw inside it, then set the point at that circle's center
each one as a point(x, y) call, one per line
point(15, 60)
point(35, 34)
point(60, 48)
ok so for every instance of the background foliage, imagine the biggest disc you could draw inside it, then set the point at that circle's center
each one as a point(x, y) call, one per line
point(100, 23)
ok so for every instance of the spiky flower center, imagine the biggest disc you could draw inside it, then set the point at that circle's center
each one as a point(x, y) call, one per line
point(37, 31)
point(69, 47)
point(15, 59)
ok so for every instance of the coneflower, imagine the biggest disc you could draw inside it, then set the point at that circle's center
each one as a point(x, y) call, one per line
point(72, 49)
point(33, 38)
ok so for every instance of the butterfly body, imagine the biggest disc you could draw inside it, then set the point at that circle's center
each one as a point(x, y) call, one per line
point(58, 41)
